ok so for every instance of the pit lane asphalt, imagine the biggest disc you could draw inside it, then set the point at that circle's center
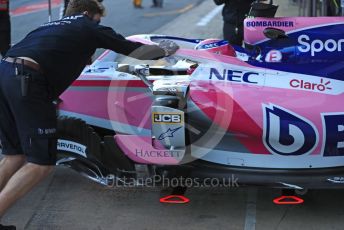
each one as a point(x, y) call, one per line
point(121, 16)
point(68, 201)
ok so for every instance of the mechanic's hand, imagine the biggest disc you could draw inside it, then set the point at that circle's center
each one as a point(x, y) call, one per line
point(170, 47)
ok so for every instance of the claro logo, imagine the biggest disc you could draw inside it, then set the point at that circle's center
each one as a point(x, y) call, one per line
point(302, 84)
point(317, 45)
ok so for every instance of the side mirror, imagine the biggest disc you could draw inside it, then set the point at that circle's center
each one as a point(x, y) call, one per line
point(274, 33)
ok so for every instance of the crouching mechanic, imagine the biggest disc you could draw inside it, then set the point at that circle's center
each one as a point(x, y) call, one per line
point(33, 73)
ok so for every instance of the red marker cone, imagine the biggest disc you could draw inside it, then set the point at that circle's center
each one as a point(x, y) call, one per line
point(174, 199)
point(288, 200)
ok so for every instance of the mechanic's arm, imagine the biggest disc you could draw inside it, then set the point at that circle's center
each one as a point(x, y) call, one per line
point(107, 38)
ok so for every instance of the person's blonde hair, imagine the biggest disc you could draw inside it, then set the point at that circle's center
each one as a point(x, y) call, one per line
point(79, 6)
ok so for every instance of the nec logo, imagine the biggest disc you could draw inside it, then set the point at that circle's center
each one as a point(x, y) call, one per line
point(209, 46)
point(167, 118)
point(233, 76)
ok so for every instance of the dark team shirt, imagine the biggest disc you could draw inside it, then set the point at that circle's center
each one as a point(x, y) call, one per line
point(63, 48)
point(235, 11)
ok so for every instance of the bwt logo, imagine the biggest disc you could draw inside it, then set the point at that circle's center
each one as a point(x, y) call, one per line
point(233, 76)
point(286, 133)
point(317, 45)
point(167, 118)
point(289, 134)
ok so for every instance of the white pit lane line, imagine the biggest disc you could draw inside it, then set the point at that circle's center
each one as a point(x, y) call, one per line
point(250, 218)
point(206, 19)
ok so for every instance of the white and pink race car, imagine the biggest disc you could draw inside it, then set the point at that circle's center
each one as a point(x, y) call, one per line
point(270, 114)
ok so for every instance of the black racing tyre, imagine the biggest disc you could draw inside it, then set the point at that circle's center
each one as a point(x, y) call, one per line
point(77, 139)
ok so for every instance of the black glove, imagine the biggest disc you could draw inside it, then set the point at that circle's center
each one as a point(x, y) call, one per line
point(169, 47)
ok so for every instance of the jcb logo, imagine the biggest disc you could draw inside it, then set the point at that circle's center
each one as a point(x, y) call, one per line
point(167, 118)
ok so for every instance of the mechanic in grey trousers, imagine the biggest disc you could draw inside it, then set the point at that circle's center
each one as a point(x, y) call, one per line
point(234, 12)
point(33, 74)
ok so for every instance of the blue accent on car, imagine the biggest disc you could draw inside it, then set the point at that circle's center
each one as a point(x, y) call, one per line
point(168, 133)
point(213, 44)
point(294, 135)
point(196, 41)
point(334, 132)
point(316, 51)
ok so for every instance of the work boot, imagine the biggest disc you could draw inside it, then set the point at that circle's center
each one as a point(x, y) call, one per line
point(10, 227)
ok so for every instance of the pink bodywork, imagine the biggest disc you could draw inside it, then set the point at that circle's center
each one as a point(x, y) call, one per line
point(254, 35)
point(241, 113)
point(140, 150)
